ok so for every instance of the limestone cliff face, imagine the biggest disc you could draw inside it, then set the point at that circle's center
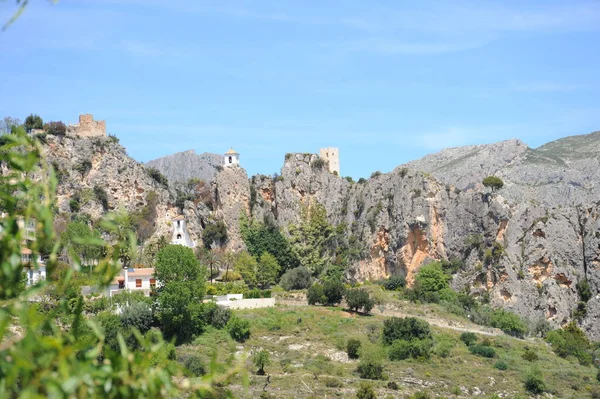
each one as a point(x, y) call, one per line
point(84, 164)
point(404, 219)
point(232, 192)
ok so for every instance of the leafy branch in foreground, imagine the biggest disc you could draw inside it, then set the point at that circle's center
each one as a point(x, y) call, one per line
point(57, 351)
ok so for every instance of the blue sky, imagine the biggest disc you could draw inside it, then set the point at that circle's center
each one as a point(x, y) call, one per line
point(385, 81)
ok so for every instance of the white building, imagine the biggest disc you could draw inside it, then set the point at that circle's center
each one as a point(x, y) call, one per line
point(133, 280)
point(231, 158)
point(34, 274)
point(180, 233)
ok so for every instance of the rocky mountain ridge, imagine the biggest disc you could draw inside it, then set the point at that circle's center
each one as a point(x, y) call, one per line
point(398, 221)
point(182, 166)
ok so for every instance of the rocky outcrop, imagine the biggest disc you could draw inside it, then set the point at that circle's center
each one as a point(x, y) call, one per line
point(232, 191)
point(182, 166)
point(563, 172)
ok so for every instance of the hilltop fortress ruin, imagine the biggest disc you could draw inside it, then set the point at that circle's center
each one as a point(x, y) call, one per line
point(87, 127)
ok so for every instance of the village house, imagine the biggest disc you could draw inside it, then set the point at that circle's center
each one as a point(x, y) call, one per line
point(133, 280)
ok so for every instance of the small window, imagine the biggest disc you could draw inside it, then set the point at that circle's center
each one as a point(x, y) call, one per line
point(179, 236)
point(121, 284)
point(138, 283)
point(152, 283)
point(178, 223)
point(230, 159)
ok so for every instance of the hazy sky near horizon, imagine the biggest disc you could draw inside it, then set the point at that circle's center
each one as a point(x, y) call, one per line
point(385, 81)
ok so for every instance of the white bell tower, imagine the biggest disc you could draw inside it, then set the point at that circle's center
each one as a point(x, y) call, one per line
point(232, 158)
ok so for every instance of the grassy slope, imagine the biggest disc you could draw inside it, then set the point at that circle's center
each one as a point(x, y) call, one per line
point(302, 340)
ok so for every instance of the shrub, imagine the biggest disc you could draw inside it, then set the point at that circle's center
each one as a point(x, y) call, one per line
point(394, 283)
point(508, 322)
point(571, 341)
point(101, 196)
point(584, 291)
point(316, 295)
point(392, 385)
point(55, 128)
point(83, 167)
point(74, 204)
point(375, 174)
point(501, 365)
point(534, 381)
point(231, 276)
point(137, 315)
point(482, 350)
point(216, 233)
point(358, 299)
point(415, 348)
point(194, 365)
point(366, 391)
point(318, 163)
point(239, 329)
point(352, 348)
point(220, 317)
point(370, 369)
point(430, 280)
point(158, 177)
point(468, 338)
point(420, 395)
point(405, 328)
point(331, 382)
point(261, 360)
point(530, 355)
point(334, 291)
point(296, 279)
point(443, 348)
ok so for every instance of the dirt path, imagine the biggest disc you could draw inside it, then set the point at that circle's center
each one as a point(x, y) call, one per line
point(391, 310)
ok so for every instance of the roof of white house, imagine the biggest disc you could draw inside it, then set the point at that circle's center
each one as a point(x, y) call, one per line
point(231, 152)
point(179, 217)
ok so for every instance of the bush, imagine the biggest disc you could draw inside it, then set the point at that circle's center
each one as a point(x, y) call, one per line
point(55, 128)
point(74, 205)
point(584, 291)
point(157, 176)
point(194, 365)
point(318, 164)
point(101, 196)
point(216, 233)
point(315, 295)
point(352, 348)
point(430, 280)
point(501, 365)
point(333, 383)
point(296, 279)
point(534, 381)
point(231, 276)
point(394, 283)
point(137, 315)
point(529, 355)
point(508, 322)
point(83, 167)
point(420, 395)
point(405, 328)
point(358, 299)
point(468, 338)
point(571, 341)
point(261, 360)
point(366, 391)
point(482, 350)
point(220, 317)
point(392, 385)
point(239, 329)
point(334, 291)
point(443, 348)
point(415, 348)
point(370, 369)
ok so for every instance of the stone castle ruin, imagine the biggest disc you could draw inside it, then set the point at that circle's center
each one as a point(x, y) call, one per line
point(87, 127)
point(332, 156)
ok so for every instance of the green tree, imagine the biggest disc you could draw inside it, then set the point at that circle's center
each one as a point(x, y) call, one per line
point(493, 182)
point(180, 308)
point(239, 329)
point(246, 265)
point(352, 348)
point(267, 270)
point(263, 237)
point(214, 234)
point(296, 279)
point(405, 328)
point(33, 122)
point(430, 281)
point(261, 360)
point(571, 341)
point(534, 381)
point(315, 295)
point(508, 322)
point(311, 238)
point(358, 299)
point(212, 259)
point(334, 291)
point(7, 123)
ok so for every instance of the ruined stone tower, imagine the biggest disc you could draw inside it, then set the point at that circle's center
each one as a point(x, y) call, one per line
point(87, 127)
point(332, 156)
